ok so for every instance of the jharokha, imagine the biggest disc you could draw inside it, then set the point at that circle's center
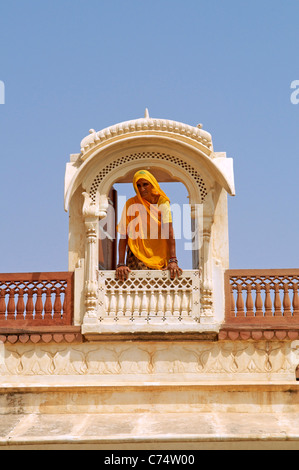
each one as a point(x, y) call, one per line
point(129, 350)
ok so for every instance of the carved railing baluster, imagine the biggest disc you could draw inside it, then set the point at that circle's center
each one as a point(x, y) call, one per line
point(129, 304)
point(240, 302)
point(29, 305)
point(107, 304)
point(113, 304)
point(39, 307)
point(176, 304)
point(268, 302)
point(144, 304)
point(160, 308)
point(277, 302)
point(57, 303)
point(286, 301)
point(48, 305)
point(295, 301)
point(20, 304)
point(2, 304)
point(120, 304)
point(191, 313)
point(11, 306)
point(65, 305)
point(153, 304)
point(190, 306)
point(232, 303)
point(185, 302)
point(259, 302)
point(249, 302)
point(168, 305)
point(137, 304)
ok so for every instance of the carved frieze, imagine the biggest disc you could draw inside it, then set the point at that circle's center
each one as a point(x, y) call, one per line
point(227, 360)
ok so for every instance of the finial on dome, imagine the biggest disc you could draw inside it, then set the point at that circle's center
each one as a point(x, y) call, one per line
point(146, 114)
point(199, 126)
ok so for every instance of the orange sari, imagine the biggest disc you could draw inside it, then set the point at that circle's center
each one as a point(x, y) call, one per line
point(143, 223)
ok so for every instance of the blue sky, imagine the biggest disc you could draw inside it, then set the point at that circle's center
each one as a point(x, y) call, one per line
point(72, 65)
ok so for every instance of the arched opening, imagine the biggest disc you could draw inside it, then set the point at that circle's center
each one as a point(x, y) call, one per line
point(184, 187)
point(181, 215)
point(182, 223)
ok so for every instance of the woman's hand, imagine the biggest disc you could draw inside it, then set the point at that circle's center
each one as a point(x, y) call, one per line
point(174, 270)
point(122, 273)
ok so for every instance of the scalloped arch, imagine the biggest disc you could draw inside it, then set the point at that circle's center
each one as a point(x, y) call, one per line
point(155, 158)
point(186, 154)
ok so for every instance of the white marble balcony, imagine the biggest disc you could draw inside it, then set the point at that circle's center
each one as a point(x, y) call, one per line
point(149, 301)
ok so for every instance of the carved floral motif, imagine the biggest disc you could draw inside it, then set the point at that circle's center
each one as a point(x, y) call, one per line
point(205, 359)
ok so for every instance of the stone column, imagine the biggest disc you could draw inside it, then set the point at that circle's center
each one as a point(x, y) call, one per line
point(91, 212)
point(207, 308)
point(91, 284)
point(196, 230)
point(207, 280)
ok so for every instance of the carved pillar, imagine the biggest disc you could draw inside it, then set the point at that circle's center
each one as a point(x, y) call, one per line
point(91, 284)
point(207, 280)
point(197, 230)
point(207, 308)
point(91, 214)
point(196, 238)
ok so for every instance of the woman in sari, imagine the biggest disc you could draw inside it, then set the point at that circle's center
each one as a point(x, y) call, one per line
point(146, 231)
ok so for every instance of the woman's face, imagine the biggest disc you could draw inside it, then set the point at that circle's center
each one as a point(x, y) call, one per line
point(145, 189)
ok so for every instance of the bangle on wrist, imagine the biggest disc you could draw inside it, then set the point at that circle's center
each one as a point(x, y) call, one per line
point(120, 265)
point(173, 260)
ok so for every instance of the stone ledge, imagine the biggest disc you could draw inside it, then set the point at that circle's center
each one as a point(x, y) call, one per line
point(151, 336)
point(50, 395)
point(71, 334)
point(145, 431)
point(10, 384)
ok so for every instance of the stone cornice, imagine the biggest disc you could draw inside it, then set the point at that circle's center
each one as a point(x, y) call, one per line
point(73, 334)
point(258, 334)
point(141, 126)
point(36, 335)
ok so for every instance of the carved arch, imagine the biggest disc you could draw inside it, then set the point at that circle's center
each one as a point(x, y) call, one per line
point(212, 169)
point(184, 172)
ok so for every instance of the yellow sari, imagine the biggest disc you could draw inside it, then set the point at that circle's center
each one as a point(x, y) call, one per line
point(142, 223)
